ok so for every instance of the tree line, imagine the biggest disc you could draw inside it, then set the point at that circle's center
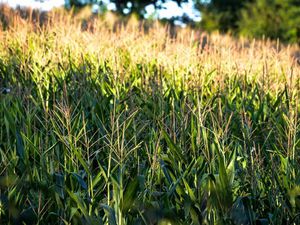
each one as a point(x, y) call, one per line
point(252, 18)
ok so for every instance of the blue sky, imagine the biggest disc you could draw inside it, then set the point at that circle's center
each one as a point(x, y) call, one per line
point(171, 7)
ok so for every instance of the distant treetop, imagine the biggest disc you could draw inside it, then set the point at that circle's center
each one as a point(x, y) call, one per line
point(127, 6)
point(252, 18)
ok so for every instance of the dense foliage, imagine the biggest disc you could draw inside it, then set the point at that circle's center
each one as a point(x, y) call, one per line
point(106, 124)
point(274, 19)
point(253, 18)
point(126, 7)
point(222, 15)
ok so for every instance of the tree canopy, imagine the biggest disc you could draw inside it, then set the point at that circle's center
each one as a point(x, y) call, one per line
point(271, 18)
point(220, 15)
point(127, 6)
point(253, 18)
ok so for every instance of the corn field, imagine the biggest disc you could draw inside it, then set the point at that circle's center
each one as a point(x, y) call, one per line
point(116, 122)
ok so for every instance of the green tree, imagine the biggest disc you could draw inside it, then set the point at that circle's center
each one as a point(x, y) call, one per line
point(126, 6)
point(220, 15)
point(78, 3)
point(271, 18)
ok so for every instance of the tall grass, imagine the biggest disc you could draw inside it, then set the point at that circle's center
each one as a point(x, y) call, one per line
point(110, 122)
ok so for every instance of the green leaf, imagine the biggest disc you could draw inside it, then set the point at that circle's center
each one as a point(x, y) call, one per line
point(59, 184)
point(79, 201)
point(82, 161)
point(110, 214)
point(130, 194)
point(8, 181)
point(165, 171)
point(294, 195)
point(80, 180)
point(173, 147)
point(73, 212)
point(20, 146)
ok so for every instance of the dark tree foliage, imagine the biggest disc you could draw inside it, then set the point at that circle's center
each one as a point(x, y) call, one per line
point(272, 18)
point(253, 18)
point(127, 6)
point(77, 3)
point(220, 15)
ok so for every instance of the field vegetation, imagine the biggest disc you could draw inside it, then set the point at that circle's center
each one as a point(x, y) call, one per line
point(107, 121)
